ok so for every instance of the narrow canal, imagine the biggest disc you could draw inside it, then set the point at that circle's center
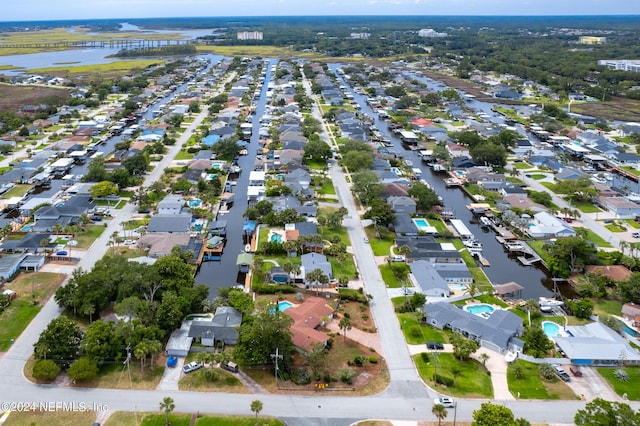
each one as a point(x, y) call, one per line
point(224, 273)
point(503, 268)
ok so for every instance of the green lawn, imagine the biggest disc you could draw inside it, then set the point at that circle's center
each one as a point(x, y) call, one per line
point(85, 239)
point(532, 386)
point(631, 170)
point(615, 228)
point(587, 208)
point(237, 421)
point(327, 188)
point(415, 332)
point(611, 307)
point(632, 223)
point(389, 279)
point(379, 246)
point(550, 186)
point(14, 320)
point(631, 387)
point(148, 419)
point(183, 155)
point(593, 237)
point(346, 268)
point(538, 176)
point(472, 381)
point(17, 191)
point(521, 165)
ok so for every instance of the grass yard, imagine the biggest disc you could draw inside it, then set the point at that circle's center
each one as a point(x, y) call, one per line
point(632, 223)
point(219, 381)
point(346, 268)
point(532, 386)
point(607, 307)
point(472, 381)
point(17, 191)
point(122, 418)
point(184, 155)
point(522, 165)
point(417, 333)
point(237, 421)
point(550, 186)
point(21, 311)
point(327, 188)
point(595, 238)
point(538, 176)
point(85, 239)
point(111, 376)
point(615, 228)
point(631, 387)
point(61, 417)
point(389, 279)
point(380, 247)
point(587, 208)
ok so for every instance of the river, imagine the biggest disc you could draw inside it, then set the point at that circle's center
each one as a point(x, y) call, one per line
point(224, 273)
point(503, 269)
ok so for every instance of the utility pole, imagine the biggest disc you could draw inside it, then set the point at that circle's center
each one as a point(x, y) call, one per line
point(276, 357)
point(455, 412)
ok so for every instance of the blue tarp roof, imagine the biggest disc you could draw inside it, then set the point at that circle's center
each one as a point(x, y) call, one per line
point(249, 226)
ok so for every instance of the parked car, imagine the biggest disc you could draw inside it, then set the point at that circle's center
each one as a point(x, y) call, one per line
point(366, 240)
point(636, 235)
point(435, 346)
point(192, 366)
point(561, 373)
point(575, 371)
point(447, 402)
point(397, 258)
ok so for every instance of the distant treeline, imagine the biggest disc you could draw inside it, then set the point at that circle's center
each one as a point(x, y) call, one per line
point(169, 50)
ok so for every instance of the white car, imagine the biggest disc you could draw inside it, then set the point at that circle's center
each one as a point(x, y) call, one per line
point(447, 402)
point(192, 366)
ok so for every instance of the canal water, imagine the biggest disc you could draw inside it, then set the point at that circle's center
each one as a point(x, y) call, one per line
point(224, 273)
point(503, 269)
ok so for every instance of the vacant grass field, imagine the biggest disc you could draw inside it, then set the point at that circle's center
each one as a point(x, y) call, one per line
point(117, 68)
point(21, 311)
point(17, 191)
point(13, 97)
point(87, 237)
point(121, 418)
point(631, 387)
point(532, 386)
point(472, 380)
point(112, 376)
point(222, 381)
point(607, 307)
point(388, 277)
point(417, 333)
point(31, 418)
point(593, 237)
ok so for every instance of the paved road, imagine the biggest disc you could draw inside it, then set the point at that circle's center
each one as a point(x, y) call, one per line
point(406, 398)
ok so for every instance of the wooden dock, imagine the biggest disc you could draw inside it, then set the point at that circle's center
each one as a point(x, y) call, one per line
point(481, 259)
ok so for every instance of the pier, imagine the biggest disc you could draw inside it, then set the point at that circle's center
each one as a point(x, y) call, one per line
point(100, 44)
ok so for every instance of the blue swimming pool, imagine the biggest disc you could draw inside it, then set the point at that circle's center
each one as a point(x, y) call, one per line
point(282, 306)
point(195, 203)
point(276, 238)
point(630, 331)
point(481, 309)
point(551, 329)
point(421, 222)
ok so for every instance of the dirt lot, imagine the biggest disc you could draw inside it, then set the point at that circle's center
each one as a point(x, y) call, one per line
point(14, 97)
point(617, 109)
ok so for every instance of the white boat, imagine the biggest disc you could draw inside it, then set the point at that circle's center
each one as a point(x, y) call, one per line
point(546, 301)
point(473, 245)
point(485, 221)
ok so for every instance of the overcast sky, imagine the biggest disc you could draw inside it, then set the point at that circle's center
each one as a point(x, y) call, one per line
point(21, 10)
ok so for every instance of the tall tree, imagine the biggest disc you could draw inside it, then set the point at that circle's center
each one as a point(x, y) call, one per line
point(59, 342)
point(256, 407)
point(167, 405)
point(439, 411)
point(600, 412)
point(493, 415)
point(345, 325)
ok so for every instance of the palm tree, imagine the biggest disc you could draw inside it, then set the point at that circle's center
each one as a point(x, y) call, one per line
point(256, 407)
point(624, 245)
point(345, 325)
point(440, 412)
point(484, 357)
point(167, 405)
point(472, 289)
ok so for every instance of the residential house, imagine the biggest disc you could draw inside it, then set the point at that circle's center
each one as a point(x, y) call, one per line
point(616, 273)
point(221, 328)
point(596, 344)
point(425, 277)
point(161, 244)
point(402, 204)
point(313, 261)
point(497, 332)
point(307, 317)
point(170, 223)
point(171, 204)
point(404, 225)
point(546, 225)
point(10, 265)
point(33, 242)
point(620, 207)
point(457, 150)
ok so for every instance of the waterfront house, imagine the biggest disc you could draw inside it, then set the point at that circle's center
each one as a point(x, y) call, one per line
point(426, 278)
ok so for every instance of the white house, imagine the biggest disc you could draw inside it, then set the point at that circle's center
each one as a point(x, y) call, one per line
point(171, 204)
point(546, 225)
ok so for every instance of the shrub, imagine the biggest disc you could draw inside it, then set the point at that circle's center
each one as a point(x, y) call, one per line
point(346, 375)
point(359, 361)
point(415, 331)
point(302, 377)
point(273, 289)
point(373, 359)
point(424, 356)
point(547, 371)
point(443, 380)
point(210, 375)
point(355, 295)
point(45, 369)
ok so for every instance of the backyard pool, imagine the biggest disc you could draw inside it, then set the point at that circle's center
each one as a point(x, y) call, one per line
point(195, 203)
point(458, 287)
point(421, 222)
point(551, 329)
point(481, 309)
point(424, 226)
point(282, 306)
point(276, 238)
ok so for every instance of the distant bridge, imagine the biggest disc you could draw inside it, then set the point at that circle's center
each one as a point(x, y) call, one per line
point(100, 44)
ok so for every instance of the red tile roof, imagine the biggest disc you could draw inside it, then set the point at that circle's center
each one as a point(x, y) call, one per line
point(306, 317)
